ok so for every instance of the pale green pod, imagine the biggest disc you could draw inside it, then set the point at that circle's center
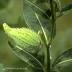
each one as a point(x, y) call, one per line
point(22, 37)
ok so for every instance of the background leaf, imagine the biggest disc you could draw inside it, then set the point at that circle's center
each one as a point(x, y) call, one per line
point(64, 57)
point(63, 61)
point(12, 11)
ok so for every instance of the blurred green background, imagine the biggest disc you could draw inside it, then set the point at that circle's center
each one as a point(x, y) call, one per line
point(11, 12)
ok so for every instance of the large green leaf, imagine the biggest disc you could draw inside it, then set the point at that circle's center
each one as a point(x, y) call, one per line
point(26, 56)
point(29, 10)
point(34, 19)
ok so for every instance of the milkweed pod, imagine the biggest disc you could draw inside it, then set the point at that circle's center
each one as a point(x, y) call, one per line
point(23, 37)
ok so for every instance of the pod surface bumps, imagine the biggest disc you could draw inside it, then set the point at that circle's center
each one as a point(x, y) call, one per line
point(23, 37)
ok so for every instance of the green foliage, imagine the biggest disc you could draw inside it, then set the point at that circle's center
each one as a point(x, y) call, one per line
point(29, 42)
point(31, 31)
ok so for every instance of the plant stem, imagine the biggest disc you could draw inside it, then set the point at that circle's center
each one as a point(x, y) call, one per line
point(53, 31)
point(53, 12)
point(48, 58)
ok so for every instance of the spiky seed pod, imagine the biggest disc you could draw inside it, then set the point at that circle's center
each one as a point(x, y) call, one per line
point(23, 37)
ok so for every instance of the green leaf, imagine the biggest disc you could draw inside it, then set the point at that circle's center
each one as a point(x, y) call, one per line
point(29, 10)
point(65, 9)
point(64, 60)
point(26, 56)
point(64, 57)
point(43, 30)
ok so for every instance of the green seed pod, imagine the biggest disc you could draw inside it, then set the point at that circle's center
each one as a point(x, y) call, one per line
point(23, 37)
